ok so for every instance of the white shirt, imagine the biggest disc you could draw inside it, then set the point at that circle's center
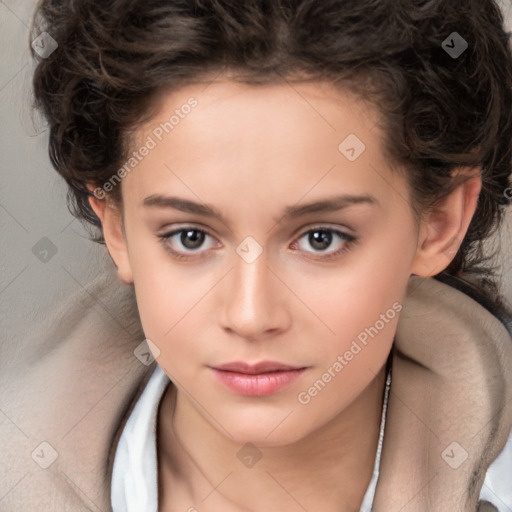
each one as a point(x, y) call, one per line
point(134, 474)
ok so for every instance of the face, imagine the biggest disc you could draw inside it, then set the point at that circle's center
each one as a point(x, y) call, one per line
point(263, 224)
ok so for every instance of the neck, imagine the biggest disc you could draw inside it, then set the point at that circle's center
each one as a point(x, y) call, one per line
point(328, 470)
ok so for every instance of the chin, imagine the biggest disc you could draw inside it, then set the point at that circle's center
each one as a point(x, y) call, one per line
point(265, 432)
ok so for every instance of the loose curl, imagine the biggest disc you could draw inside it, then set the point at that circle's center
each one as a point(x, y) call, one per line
point(439, 113)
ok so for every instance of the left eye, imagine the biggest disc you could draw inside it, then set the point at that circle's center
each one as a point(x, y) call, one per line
point(320, 238)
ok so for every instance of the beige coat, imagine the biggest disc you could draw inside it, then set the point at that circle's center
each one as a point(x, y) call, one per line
point(65, 401)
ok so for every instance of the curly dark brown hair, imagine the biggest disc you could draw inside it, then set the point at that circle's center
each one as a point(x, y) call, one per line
point(439, 110)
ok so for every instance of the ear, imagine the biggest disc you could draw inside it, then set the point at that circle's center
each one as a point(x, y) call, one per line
point(114, 235)
point(443, 229)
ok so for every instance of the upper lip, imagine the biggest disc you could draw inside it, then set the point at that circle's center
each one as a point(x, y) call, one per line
point(261, 367)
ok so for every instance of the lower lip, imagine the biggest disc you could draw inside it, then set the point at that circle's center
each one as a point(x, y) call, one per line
point(263, 384)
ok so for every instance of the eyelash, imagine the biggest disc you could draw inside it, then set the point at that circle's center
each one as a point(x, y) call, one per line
point(349, 241)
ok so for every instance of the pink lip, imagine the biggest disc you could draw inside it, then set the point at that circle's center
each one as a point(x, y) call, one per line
point(253, 369)
point(260, 379)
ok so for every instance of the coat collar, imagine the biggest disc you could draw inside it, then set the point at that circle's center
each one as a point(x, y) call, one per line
point(450, 407)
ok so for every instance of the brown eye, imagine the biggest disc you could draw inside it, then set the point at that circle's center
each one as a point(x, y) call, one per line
point(184, 242)
point(192, 238)
point(321, 238)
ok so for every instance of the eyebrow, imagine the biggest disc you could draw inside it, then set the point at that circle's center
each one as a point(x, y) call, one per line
point(331, 204)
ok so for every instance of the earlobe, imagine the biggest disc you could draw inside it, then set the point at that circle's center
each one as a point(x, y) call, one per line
point(444, 228)
point(114, 236)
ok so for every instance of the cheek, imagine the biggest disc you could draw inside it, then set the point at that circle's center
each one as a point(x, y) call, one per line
point(357, 304)
point(169, 305)
point(172, 301)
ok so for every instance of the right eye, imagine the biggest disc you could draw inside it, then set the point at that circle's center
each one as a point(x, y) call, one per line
point(189, 238)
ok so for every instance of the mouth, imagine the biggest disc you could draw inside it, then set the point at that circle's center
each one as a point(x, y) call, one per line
point(257, 368)
point(260, 379)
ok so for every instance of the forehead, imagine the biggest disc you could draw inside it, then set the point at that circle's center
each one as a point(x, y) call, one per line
point(270, 109)
point(242, 139)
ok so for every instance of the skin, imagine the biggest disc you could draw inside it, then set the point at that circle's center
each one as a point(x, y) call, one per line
point(250, 151)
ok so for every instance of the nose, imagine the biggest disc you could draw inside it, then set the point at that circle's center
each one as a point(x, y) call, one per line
point(255, 302)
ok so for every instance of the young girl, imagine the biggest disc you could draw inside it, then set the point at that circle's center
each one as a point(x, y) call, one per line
point(280, 181)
